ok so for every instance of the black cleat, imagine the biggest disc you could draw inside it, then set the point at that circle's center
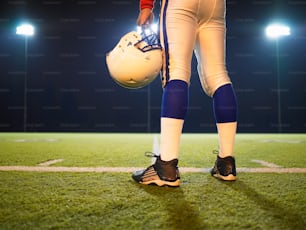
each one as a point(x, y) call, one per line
point(224, 169)
point(161, 173)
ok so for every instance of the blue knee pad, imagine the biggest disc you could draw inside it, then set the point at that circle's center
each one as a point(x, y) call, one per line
point(175, 99)
point(225, 104)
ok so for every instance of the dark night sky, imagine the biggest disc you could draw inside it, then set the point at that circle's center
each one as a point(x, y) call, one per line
point(69, 88)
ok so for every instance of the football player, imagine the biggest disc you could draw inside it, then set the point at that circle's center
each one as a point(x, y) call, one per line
point(187, 27)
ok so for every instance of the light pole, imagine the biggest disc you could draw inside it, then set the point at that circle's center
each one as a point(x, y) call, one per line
point(148, 30)
point(25, 30)
point(275, 32)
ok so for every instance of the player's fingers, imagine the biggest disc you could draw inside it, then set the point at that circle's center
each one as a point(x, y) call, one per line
point(145, 17)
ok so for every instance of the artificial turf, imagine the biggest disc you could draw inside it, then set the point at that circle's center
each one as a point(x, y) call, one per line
point(66, 200)
point(113, 201)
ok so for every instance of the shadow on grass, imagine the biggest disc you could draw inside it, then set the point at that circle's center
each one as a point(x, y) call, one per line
point(181, 215)
point(285, 217)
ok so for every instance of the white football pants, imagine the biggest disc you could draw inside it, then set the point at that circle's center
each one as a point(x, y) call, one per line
point(199, 26)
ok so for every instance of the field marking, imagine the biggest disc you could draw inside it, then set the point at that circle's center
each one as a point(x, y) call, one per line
point(155, 146)
point(50, 162)
point(36, 140)
point(267, 164)
point(46, 166)
point(132, 169)
point(283, 141)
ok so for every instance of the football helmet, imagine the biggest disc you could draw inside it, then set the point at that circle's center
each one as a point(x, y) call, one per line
point(136, 60)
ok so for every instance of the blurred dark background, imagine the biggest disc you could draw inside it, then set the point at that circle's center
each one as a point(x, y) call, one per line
point(69, 88)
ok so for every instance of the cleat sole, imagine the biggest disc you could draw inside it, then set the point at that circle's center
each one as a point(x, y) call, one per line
point(162, 183)
point(230, 177)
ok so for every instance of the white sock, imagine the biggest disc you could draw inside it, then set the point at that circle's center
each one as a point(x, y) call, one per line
point(226, 136)
point(170, 137)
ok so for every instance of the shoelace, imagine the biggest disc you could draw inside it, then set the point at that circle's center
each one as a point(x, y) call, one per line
point(150, 154)
point(215, 151)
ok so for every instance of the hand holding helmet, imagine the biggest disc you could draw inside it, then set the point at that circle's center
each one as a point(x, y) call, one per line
point(145, 17)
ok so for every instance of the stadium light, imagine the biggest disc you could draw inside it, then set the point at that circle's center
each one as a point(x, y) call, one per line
point(153, 27)
point(275, 31)
point(26, 30)
point(148, 30)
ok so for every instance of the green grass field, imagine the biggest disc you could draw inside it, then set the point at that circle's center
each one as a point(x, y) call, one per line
point(111, 200)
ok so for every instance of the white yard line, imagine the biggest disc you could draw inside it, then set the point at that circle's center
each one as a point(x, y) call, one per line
point(50, 162)
point(155, 146)
point(44, 167)
point(132, 169)
point(267, 164)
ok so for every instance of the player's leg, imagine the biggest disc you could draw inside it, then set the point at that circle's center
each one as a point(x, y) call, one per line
point(210, 53)
point(176, 25)
point(225, 110)
point(174, 107)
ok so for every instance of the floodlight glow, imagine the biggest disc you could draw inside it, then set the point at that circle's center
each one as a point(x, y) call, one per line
point(277, 30)
point(25, 29)
point(153, 27)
